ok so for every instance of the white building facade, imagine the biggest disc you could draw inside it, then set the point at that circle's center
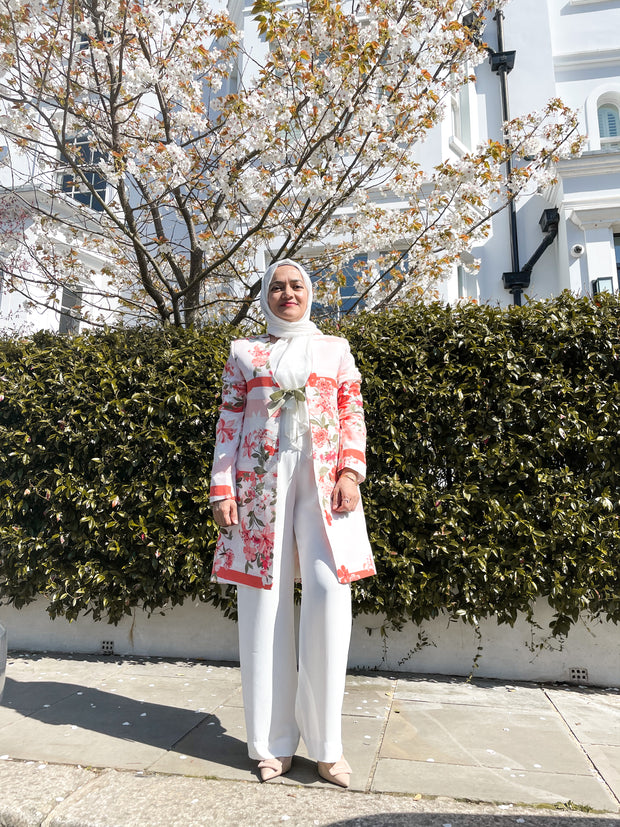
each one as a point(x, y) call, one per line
point(567, 49)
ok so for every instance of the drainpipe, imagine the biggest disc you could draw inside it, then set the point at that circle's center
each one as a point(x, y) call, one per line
point(519, 280)
point(549, 224)
point(502, 63)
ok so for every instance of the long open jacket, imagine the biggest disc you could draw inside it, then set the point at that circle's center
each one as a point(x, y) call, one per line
point(246, 458)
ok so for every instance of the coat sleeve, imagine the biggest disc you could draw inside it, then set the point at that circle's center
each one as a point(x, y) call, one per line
point(352, 450)
point(228, 430)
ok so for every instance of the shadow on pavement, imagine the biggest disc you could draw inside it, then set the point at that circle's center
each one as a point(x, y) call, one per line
point(55, 703)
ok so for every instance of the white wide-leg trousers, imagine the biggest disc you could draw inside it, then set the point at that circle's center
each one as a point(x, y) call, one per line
point(282, 701)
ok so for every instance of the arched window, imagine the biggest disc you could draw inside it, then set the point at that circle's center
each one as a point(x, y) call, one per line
point(609, 126)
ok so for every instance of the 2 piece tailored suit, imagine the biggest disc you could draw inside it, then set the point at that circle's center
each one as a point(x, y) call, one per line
point(286, 528)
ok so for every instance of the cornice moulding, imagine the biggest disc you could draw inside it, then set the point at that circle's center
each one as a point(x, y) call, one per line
point(596, 59)
point(586, 3)
point(590, 216)
point(590, 163)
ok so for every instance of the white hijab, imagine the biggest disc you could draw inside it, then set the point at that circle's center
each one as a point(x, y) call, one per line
point(291, 356)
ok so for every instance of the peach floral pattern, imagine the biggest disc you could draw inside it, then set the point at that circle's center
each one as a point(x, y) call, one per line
point(259, 356)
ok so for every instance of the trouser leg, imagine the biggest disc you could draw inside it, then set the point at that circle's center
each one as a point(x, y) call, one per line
point(324, 629)
point(279, 703)
point(268, 672)
point(267, 649)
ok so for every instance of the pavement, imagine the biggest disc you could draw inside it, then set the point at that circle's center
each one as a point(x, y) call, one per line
point(123, 742)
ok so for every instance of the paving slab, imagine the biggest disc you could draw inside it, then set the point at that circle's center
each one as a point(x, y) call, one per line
point(606, 761)
point(88, 670)
point(215, 747)
point(477, 736)
point(235, 698)
point(190, 670)
point(30, 791)
point(360, 737)
point(159, 692)
point(27, 697)
point(594, 717)
point(98, 728)
point(61, 702)
point(491, 784)
point(368, 696)
point(35, 740)
point(85, 670)
point(473, 693)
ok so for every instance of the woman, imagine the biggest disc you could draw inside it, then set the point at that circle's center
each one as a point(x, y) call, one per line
point(288, 460)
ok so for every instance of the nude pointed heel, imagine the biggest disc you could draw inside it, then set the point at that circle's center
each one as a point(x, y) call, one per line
point(338, 772)
point(273, 767)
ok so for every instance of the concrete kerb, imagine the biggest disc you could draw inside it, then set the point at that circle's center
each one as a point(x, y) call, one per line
point(47, 795)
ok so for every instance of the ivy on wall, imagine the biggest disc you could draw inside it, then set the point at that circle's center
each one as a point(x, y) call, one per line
point(493, 454)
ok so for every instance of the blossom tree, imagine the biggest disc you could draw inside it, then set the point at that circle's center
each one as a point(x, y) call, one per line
point(147, 134)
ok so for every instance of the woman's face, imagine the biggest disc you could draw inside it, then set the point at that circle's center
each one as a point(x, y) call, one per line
point(288, 296)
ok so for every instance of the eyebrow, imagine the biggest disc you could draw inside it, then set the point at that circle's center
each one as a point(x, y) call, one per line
point(278, 283)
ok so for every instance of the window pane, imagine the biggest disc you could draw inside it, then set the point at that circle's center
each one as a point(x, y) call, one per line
point(70, 310)
point(73, 184)
point(348, 293)
point(608, 121)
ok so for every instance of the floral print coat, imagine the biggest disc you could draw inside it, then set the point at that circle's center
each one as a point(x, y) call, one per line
point(246, 458)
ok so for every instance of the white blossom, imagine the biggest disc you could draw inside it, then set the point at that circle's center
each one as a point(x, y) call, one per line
point(315, 148)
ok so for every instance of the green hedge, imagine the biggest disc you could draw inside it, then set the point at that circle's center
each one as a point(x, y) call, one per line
point(494, 464)
point(105, 445)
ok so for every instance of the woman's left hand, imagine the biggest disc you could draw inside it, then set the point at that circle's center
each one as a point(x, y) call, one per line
point(345, 495)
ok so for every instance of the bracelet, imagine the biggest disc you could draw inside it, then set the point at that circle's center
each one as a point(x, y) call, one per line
point(349, 477)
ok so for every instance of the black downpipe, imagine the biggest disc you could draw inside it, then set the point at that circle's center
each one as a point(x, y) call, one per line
point(549, 224)
point(502, 63)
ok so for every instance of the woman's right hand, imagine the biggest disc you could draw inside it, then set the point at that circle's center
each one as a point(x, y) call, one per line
point(225, 512)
